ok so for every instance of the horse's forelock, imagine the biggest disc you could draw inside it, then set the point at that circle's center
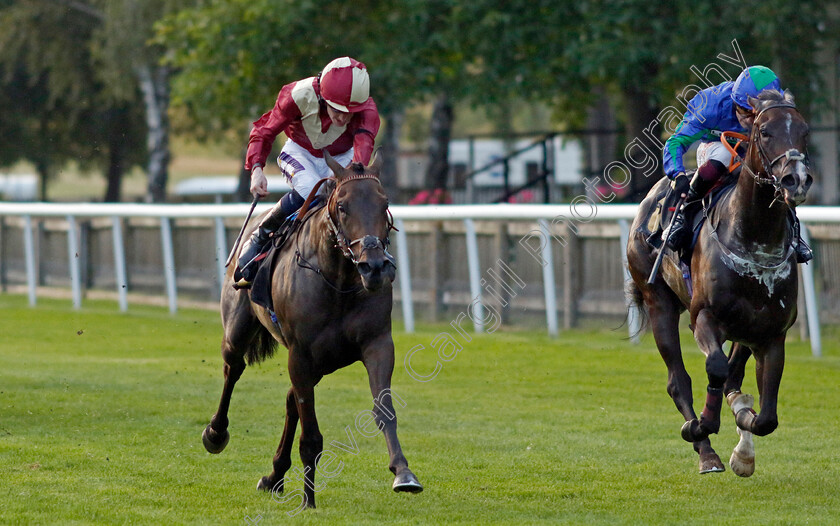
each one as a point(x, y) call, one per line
point(770, 97)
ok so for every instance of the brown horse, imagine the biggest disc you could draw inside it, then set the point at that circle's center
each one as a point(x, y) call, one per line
point(332, 302)
point(744, 284)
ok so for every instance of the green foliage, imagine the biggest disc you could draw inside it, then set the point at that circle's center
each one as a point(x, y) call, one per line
point(101, 416)
point(56, 106)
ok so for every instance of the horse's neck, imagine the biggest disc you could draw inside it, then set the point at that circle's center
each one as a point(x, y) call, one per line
point(757, 223)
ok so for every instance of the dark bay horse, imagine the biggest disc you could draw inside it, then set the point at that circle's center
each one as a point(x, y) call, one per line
point(744, 284)
point(332, 298)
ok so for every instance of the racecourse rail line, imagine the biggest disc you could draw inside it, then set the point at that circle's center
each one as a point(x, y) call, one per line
point(544, 215)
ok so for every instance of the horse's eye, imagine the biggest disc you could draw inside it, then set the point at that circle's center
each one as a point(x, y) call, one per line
point(765, 134)
point(341, 209)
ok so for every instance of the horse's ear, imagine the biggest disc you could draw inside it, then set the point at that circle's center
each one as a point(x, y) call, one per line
point(789, 97)
point(337, 169)
point(378, 161)
point(754, 102)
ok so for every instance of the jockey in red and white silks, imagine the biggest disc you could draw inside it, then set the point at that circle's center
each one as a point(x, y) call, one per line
point(304, 112)
point(333, 111)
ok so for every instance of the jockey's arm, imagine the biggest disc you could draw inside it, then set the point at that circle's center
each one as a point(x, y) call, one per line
point(268, 127)
point(364, 135)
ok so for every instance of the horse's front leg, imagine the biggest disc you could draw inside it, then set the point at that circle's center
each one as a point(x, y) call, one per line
point(378, 358)
point(742, 460)
point(708, 335)
point(769, 367)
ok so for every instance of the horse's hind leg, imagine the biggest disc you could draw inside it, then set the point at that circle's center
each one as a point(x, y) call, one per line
point(216, 436)
point(378, 358)
point(664, 318)
point(742, 460)
point(239, 330)
point(283, 458)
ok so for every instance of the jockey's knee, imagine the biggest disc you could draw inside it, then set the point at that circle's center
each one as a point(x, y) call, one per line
point(711, 171)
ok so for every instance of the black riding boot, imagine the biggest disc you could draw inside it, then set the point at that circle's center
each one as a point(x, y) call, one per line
point(804, 253)
point(680, 235)
point(254, 245)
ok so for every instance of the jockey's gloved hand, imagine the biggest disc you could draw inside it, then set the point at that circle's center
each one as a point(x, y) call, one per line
point(680, 183)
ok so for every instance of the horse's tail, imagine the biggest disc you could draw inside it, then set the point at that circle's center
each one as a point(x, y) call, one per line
point(637, 301)
point(262, 348)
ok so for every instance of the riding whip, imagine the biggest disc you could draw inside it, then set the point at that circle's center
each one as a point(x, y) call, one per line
point(242, 231)
point(655, 270)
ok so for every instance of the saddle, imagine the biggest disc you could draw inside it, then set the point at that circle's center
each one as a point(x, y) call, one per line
point(666, 201)
point(261, 285)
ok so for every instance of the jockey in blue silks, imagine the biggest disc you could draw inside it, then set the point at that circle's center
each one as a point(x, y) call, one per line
point(714, 110)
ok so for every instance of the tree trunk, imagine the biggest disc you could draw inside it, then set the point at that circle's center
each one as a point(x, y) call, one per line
point(154, 83)
point(116, 154)
point(391, 152)
point(600, 144)
point(641, 113)
point(439, 135)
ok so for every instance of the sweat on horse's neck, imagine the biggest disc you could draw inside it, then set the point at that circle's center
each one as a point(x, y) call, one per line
point(759, 222)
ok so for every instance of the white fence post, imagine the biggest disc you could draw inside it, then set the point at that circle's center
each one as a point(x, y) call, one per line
point(811, 310)
point(550, 289)
point(475, 275)
point(29, 254)
point(405, 276)
point(221, 249)
point(119, 263)
point(73, 259)
point(169, 263)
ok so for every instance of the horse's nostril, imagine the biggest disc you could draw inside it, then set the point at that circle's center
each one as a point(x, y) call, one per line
point(789, 181)
point(364, 267)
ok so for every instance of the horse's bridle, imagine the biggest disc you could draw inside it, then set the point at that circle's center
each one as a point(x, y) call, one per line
point(368, 242)
point(790, 155)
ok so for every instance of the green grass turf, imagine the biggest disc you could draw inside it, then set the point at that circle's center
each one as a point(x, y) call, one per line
point(101, 415)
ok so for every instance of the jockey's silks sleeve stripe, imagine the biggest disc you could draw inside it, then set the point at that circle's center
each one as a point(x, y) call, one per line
point(675, 147)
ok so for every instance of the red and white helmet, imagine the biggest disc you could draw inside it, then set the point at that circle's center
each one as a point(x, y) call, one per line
point(345, 85)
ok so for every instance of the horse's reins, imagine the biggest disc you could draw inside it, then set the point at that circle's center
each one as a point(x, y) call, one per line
point(790, 155)
point(368, 241)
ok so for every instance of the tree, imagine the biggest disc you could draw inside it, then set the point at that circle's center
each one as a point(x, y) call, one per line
point(56, 109)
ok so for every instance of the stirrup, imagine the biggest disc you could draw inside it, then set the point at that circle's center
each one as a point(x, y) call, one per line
point(803, 252)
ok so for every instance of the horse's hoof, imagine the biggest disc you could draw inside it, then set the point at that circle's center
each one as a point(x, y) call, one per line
point(214, 442)
point(742, 460)
point(406, 481)
point(692, 431)
point(265, 485)
point(743, 467)
point(711, 464)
